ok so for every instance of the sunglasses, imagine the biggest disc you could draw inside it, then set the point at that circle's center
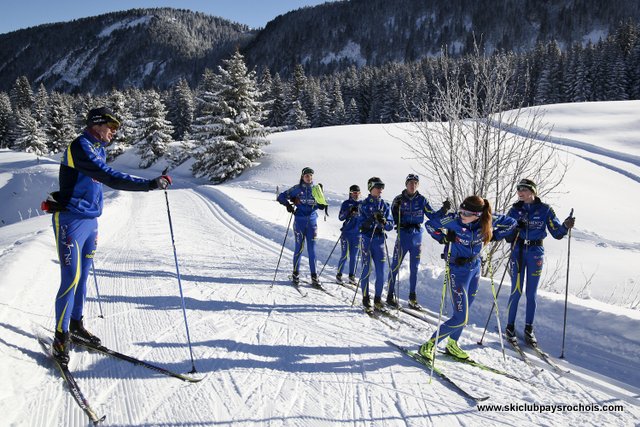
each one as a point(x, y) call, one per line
point(468, 214)
point(113, 126)
point(522, 188)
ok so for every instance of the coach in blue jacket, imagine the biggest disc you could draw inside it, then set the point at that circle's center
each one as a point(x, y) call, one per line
point(78, 204)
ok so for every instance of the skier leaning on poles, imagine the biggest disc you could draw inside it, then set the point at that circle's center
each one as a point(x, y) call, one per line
point(349, 234)
point(303, 200)
point(75, 208)
point(374, 219)
point(464, 235)
point(534, 218)
point(409, 209)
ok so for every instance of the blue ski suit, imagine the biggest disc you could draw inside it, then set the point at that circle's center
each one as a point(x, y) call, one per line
point(305, 226)
point(350, 235)
point(408, 213)
point(373, 241)
point(464, 261)
point(527, 257)
point(83, 170)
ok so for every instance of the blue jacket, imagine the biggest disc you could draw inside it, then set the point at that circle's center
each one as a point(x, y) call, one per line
point(301, 195)
point(409, 211)
point(469, 240)
point(83, 170)
point(366, 220)
point(538, 217)
point(350, 226)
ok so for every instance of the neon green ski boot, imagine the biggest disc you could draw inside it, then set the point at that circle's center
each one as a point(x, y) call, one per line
point(455, 351)
point(428, 349)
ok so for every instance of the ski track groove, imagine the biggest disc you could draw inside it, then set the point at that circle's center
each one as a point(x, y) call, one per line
point(242, 390)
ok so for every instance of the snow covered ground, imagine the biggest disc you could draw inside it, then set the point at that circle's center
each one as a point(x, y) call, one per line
point(272, 357)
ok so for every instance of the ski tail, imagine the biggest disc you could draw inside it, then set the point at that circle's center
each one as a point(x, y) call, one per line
point(72, 385)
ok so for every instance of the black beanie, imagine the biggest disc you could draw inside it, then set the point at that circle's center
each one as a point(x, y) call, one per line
point(354, 188)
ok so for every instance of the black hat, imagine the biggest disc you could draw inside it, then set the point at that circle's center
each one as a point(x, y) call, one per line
point(354, 188)
point(528, 184)
point(412, 177)
point(307, 170)
point(374, 182)
point(101, 116)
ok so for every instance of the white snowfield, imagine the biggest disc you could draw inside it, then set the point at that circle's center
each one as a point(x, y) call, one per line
point(272, 357)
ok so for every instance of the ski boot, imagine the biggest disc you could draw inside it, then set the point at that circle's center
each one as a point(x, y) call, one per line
point(79, 332)
point(314, 281)
point(529, 336)
point(339, 279)
point(366, 302)
point(510, 333)
point(392, 301)
point(60, 347)
point(413, 302)
point(295, 278)
point(377, 303)
point(454, 350)
point(428, 349)
point(352, 279)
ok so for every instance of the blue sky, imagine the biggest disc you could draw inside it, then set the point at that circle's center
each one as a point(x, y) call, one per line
point(17, 14)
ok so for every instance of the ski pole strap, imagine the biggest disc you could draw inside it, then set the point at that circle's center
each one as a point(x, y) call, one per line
point(525, 242)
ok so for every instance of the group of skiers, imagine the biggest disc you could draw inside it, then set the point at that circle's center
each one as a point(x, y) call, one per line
point(78, 203)
point(463, 233)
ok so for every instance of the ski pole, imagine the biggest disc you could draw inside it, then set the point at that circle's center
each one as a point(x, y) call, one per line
point(329, 257)
point(566, 292)
point(447, 278)
point(95, 280)
point(175, 256)
point(495, 304)
point(282, 249)
point(363, 261)
point(386, 250)
point(495, 300)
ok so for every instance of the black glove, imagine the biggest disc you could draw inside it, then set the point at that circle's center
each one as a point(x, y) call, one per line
point(324, 208)
point(353, 210)
point(380, 219)
point(569, 222)
point(290, 208)
point(161, 182)
point(446, 205)
point(522, 224)
point(450, 236)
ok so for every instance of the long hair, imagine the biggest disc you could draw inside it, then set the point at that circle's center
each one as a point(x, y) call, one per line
point(478, 204)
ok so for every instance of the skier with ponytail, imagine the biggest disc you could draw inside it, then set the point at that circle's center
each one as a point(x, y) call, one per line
point(464, 234)
point(303, 200)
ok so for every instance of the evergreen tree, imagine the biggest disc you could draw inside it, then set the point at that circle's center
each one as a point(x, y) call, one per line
point(6, 116)
point(40, 106)
point(181, 109)
point(297, 118)
point(353, 114)
point(60, 130)
point(337, 105)
point(21, 94)
point(277, 116)
point(124, 137)
point(28, 135)
point(156, 130)
point(322, 113)
point(237, 134)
